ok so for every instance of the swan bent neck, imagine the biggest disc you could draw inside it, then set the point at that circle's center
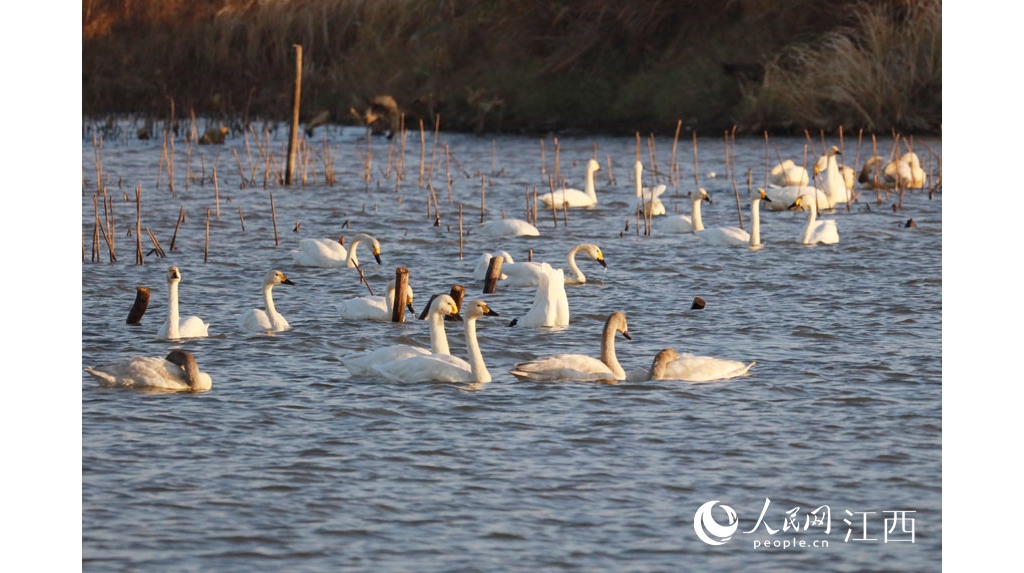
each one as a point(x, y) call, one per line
point(615, 323)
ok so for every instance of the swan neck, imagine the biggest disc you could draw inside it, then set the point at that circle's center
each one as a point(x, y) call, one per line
point(574, 269)
point(608, 352)
point(476, 358)
point(812, 216)
point(389, 300)
point(698, 223)
point(268, 300)
point(352, 260)
point(172, 310)
point(589, 189)
point(755, 223)
point(438, 338)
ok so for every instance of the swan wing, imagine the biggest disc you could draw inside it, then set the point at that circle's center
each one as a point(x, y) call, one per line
point(193, 327)
point(254, 321)
point(521, 274)
point(324, 253)
point(569, 197)
point(365, 308)
point(732, 236)
point(140, 372)
point(428, 368)
point(563, 367)
point(365, 363)
point(691, 368)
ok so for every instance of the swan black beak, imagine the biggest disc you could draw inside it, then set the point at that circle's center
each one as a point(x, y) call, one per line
point(377, 257)
point(409, 307)
point(626, 334)
point(603, 264)
point(491, 312)
point(708, 199)
point(287, 281)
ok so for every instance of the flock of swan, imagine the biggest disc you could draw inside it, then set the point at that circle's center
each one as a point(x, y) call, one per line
point(789, 189)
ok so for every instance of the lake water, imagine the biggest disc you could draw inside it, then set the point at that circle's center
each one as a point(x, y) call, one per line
point(290, 463)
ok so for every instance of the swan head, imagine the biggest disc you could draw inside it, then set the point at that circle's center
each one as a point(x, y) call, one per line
point(617, 320)
point(443, 305)
point(187, 364)
point(479, 308)
point(593, 165)
point(594, 252)
point(376, 250)
point(661, 362)
point(701, 195)
point(276, 277)
point(763, 195)
point(797, 204)
point(173, 275)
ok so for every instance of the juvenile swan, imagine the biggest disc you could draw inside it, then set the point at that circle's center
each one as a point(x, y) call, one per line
point(179, 371)
point(580, 366)
point(670, 365)
point(365, 363)
point(269, 320)
point(445, 367)
point(177, 328)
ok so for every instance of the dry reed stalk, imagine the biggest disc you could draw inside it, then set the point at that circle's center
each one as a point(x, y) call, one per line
point(241, 172)
point(653, 159)
point(558, 166)
point(241, 218)
point(110, 245)
point(362, 279)
point(483, 197)
point(565, 213)
point(448, 172)
point(328, 163)
point(163, 158)
point(156, 244)
point(138, 225)
point(95, 229)
point(248, 154)
point(460, 231)
point(543, 164)
point(170, 165)
point(527, 191)
point(188, 166)
point(206, 247)
point(423, 152)
point(398, 309)
point(736, 191)
point(535, 205)
point(216, 192)
point(696, 176)
point(529, 255)
point(433, 152)
point(273, 214)
point(293, 132)
point(202, 166)
point(108, 214)
point(181, 219)
point(139, 307)
point(551, 189)
point(767, 162)
point(611, 178)
point(672, 162)
point(193, 132)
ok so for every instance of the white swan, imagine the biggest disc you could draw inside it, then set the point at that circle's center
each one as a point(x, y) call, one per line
point(179, 371)
point(817, 230)
point(507, 228)
point(484, 262)
point(445, 367)
point(580, 366)
point(782, 198)
point(365, 363)
point(788, 174)
point(575, 197)
point(376, 307)
point(269, 320)
point(670, 365)
point(328, 253)
point(847, 172)
point(833, 181)
point(647, 198)
point(529, 273)
point(550, 304)
point(177, 328)
point(735, 236)
point(686, 223)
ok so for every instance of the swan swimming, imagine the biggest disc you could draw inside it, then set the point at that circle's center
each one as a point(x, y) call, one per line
point(445, 367)
point(328, 253)
point(508, 228)
point(670, 365)
point(646, 198)
point(529, 273)
point(833, 181)
point(575, 197)
point(269, 320)
point(817, 230)
point(365, 363)
point(177, 328)
point(550, 304)
point(378, 308)
point(580, 366)
point(691, 223)
point(788, 174)
point(179, 371)
point(735, 236)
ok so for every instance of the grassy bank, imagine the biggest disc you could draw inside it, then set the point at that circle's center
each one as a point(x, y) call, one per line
point(526, 65)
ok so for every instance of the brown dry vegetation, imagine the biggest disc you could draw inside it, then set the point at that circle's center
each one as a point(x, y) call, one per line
point(526, 64)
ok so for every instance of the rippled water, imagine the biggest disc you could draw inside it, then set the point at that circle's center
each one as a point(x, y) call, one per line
point(290, 463)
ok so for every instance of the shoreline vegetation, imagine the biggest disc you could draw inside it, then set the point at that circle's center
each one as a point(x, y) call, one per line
point(522, 66)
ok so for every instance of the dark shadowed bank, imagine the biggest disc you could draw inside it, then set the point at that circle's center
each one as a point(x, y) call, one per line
point(525, 65)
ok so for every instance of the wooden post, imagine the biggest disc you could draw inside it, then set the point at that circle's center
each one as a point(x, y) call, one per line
point(294, 133)
point(493, 274)
point(206, 249)
point(139, 308)
point(401, 279)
